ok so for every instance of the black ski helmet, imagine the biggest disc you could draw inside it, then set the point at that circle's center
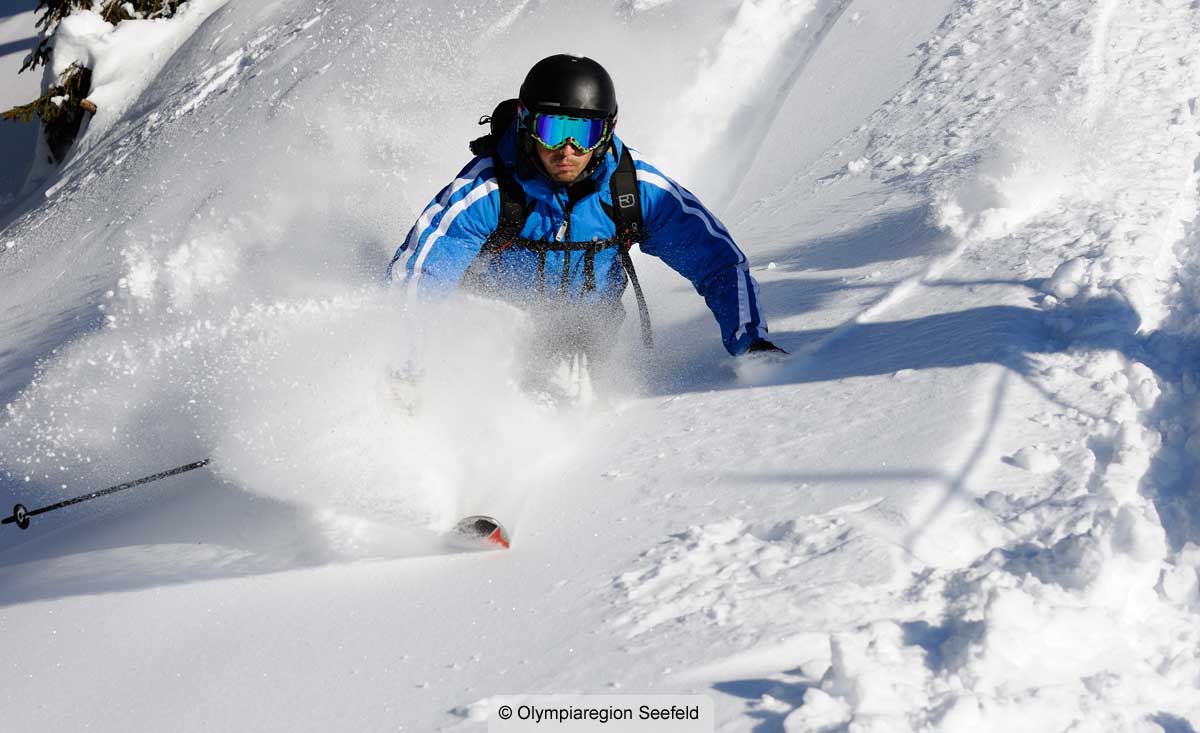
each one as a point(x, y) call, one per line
point(571, 85)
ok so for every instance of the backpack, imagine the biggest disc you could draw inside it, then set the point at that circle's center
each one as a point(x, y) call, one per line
point(626, 214)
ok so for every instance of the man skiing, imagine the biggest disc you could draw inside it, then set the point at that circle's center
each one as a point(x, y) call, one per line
point(547, 211)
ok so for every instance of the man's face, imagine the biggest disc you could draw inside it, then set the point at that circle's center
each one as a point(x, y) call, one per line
point(564, 165)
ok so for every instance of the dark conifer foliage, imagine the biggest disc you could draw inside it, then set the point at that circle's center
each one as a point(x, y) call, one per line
point(61, 107)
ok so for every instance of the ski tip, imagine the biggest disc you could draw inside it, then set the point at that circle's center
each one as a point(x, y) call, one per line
point(482, 531)
point(498, 538)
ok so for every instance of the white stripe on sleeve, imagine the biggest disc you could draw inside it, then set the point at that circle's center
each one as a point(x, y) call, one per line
point(427, 216)
point(460, 206)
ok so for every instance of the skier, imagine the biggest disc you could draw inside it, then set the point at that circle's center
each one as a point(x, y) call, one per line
point(547, 211)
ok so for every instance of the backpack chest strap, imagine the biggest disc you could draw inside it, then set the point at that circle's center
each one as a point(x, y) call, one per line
point(498, 242)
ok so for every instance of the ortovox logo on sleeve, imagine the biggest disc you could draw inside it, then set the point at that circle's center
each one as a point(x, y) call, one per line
point(625, 200)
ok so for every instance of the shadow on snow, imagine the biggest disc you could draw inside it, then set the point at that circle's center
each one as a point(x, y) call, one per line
point(900, 235)
point(184, 530)
point(790, 691)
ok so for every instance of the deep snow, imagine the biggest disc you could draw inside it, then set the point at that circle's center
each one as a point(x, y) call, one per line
point(967, 503)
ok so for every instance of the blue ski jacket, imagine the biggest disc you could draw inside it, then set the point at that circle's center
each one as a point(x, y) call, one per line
point(450, 233)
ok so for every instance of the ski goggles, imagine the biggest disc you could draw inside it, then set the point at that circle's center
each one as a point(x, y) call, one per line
point(554, 131)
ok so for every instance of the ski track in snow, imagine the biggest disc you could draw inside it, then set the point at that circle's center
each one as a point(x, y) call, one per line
point(1083, 562)
point(967, 503)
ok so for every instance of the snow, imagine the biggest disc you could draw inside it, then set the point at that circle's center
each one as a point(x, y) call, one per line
point(967, 502)
point(1035, 460)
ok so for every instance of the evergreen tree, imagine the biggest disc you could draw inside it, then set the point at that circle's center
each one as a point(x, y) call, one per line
point(62, 106)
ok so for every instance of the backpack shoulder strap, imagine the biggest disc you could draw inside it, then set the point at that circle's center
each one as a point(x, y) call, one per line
point(509, 223)
point(512, 196)
point(512, 203)
point(626, 213)
point(626, 210)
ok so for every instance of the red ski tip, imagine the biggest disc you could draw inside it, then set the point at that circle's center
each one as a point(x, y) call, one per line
point(497, 538)
point(480, 532)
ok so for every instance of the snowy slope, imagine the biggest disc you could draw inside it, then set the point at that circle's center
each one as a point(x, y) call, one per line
point(967, 503)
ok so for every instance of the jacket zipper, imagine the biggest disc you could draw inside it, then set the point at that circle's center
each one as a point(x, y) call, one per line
point(564, 232)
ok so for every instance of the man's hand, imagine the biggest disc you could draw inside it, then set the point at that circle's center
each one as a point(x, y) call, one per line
point(759, 346)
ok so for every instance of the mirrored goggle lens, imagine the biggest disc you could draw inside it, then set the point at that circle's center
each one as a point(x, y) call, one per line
point(554, 131)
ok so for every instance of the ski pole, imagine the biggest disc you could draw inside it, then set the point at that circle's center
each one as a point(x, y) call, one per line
point(21, 515)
